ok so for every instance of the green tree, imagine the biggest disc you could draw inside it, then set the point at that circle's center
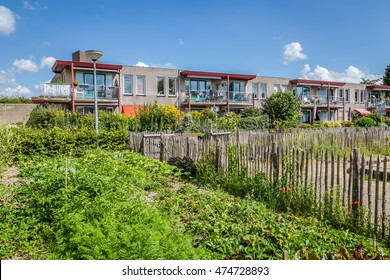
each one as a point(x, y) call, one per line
point(386, 76)
point(283, 110)
point(369, 81)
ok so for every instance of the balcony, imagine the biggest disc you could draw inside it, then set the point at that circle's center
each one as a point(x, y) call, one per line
point(321, 101)
point(57, 90)
point(103, 92)
point(209, 97)
point(373, 103)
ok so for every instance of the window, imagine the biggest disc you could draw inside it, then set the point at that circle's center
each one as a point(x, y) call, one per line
point(356, 96)
point(255, 90)
point(284, 88)
point(161, 86)
point(276, 88)
point(141, 85)
point(362, 95)
point(341, 94)
point(263, 90)
point(347, 95)
point(128, 87)
point(172, 87)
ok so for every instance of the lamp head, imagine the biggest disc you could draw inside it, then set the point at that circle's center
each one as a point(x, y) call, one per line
point(93, 54)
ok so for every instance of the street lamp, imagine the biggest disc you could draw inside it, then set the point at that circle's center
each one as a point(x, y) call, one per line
point(94, 55)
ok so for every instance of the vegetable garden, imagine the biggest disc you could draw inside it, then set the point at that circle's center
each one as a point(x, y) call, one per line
point(67, 192)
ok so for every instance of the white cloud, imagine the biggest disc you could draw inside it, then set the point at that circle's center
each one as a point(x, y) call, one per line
point(7, 21)
point(169, 66)
point(16, 91)
point(292, 52)
point(33, 7)
point(350, 75)
point(141, 64)
point(25, 65)
point(47, 61)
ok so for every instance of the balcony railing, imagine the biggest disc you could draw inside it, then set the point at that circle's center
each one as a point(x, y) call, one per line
point(81, 91)
point(103, 92)
point(375, 102)
point(57, 90)
point(311, 100)
point(213, 97)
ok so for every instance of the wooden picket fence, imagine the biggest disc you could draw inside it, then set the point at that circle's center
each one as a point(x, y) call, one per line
point(361, 181)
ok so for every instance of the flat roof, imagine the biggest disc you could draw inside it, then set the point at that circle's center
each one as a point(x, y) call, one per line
point(201, 74)
point(59, 65)
point(316, 82)
point(379, 87)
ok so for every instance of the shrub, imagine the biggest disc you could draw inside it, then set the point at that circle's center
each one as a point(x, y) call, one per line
point(15, 100)
point(365, 121)
point(305, 125)
point(347, 124)
point(253, 123)
point(251, 112)
point(283, 110)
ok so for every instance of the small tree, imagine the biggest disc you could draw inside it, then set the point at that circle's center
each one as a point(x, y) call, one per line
point(386, 76)
point(283, 110)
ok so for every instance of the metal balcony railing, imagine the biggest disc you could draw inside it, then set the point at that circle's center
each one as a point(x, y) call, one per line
point(103, 92)
point(210, 96)
point(320, 100)
point(57, 90)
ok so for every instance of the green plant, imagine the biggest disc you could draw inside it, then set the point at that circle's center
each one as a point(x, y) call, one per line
point(253, 123)
point(365, 121)
point(283, 110)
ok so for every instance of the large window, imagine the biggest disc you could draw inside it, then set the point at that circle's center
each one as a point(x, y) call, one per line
point(284, 88)
point(347, 95)
point(263, 90)
point(356, 96)
point(362, 95)
point(128, 84)
point(276, 88)
point(255, 90)
point(172, 87)
point(341, 94)
point(141, 85)
point(160, 86)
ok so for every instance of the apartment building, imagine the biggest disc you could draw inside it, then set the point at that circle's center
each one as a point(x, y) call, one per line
point(123, 89)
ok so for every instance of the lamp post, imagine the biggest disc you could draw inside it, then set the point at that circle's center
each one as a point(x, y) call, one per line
point(94, 55)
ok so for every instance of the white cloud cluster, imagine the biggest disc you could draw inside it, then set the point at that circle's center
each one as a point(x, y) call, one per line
point(141, 64)
point(30, 65)
point(293, 51)
point(7, 77)
point(7, 21)
point(351, 75)
point(25, 65)
point(16, 91)
point(166, 65)
point(33, 7)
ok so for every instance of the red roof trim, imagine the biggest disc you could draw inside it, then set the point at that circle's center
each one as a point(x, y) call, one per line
point(315, 82)
point(378, 87)
point(215, 74)
point(59, 65)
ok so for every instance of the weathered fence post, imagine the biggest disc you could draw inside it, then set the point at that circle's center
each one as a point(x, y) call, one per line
point(217, 154)
point(275, 165)
point(161, 147)
point(355, 187)
point(384, 178)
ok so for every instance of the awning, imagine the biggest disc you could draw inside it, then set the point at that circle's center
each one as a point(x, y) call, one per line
point(362, 112)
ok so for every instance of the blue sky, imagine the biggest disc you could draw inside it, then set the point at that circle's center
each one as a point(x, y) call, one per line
point(334, 40)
